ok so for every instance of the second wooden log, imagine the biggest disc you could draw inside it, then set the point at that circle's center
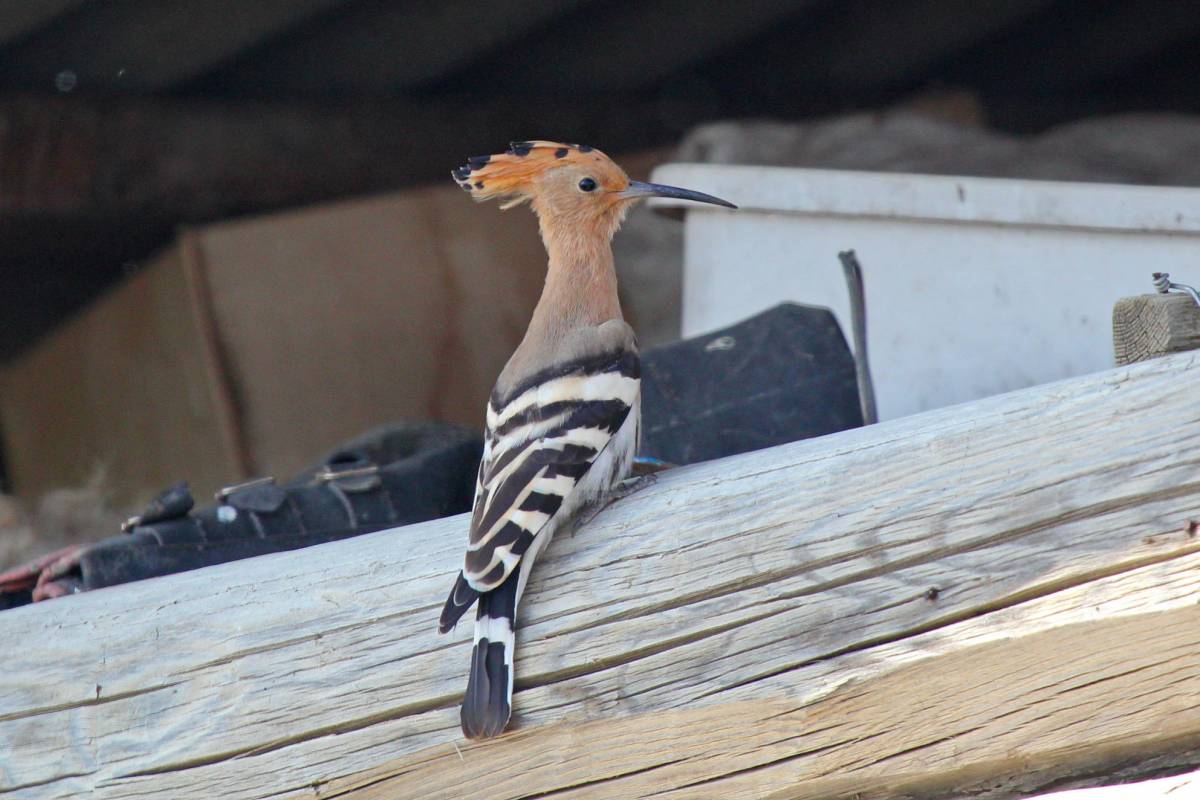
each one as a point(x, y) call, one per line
point(1152, 325)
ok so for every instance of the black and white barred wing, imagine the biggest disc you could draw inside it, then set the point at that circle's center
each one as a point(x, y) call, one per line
point(542, 441)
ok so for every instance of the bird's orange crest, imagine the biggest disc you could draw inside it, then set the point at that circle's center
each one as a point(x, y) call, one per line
point(513, 173)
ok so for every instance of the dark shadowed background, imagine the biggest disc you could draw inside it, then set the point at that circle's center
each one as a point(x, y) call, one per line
point(123, 122)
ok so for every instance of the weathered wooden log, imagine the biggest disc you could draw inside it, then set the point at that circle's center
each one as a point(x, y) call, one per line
point(995, 596)
point(1151, 325)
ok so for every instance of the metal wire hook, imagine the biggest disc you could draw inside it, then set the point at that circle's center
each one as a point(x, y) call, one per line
point(1163, 284)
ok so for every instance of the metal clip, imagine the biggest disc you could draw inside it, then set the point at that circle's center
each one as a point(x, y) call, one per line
point(1163, 285)
point(328, 474)
point(131, 523)
point(225, 491)
point(351, 479)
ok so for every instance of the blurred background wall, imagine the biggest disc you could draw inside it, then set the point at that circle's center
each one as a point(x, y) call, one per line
point(230, 239)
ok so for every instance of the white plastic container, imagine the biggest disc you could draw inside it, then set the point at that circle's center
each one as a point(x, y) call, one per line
point(975, 286)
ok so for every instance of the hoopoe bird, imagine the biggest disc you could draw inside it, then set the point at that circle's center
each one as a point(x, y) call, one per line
point(563, 420)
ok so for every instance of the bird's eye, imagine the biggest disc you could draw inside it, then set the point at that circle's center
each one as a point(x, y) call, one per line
point(587, 185)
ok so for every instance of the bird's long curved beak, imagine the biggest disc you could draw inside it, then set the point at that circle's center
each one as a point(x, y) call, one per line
point(640, 189)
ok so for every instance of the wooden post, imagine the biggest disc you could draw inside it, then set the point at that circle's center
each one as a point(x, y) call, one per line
point(995, 597)
point(1152, 325)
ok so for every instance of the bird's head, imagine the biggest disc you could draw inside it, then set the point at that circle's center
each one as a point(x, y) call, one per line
point(566, 184)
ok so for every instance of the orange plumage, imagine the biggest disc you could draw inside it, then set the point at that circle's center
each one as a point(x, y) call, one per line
point(516, 173)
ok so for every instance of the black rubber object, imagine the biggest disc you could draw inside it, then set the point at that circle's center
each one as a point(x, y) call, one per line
point(780, 376)
point(424, 470)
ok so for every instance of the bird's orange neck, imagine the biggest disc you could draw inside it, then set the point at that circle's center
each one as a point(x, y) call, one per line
point(581, 282)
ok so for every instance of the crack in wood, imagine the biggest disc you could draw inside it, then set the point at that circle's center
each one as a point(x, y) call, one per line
point(90, 701)
point(600, 781)
point(635, 654)
point(1000, 604)
point(929, 556)
point(47, 782)
point(307, 736)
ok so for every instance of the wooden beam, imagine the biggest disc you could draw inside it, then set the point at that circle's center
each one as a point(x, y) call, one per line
point(127, 46)
point(190, 161)
point(998, 593)
point(1152, 325)
point(1111, 42)
point(1084, 44)
point(863, 46)
point(1001, 712)
point(634, 45)
point(382, 48)
point(878, 45)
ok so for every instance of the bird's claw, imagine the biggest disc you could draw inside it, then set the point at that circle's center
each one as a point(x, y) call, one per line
point(622, 490)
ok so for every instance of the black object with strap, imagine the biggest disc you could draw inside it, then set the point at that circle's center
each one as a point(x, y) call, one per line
point(391, 476)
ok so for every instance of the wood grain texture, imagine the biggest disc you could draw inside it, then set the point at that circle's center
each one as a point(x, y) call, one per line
point(1152, 325)
point(998, 594)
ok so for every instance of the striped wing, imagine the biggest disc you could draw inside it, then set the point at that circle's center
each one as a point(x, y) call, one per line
point(541, 440)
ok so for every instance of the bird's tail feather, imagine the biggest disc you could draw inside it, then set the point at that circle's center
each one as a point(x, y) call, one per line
point(487, 704)
point(462, 596)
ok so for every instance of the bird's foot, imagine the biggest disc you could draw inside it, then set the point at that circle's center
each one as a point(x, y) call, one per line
point(629, 486)
point(619, 492)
